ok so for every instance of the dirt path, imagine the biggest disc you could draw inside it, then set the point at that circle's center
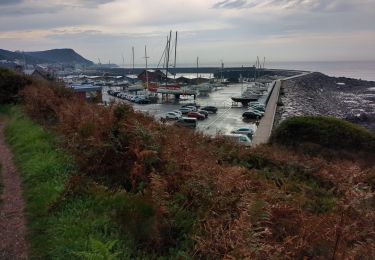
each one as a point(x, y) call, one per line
point(12, 217)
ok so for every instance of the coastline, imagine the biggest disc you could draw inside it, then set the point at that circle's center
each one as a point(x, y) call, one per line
point(319, 94)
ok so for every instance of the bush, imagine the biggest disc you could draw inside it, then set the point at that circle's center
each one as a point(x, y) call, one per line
point(66, 216)
point(176, 194)
point(325, 131)
point(10, 84)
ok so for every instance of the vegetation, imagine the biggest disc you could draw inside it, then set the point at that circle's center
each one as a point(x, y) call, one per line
point(67, 56)
point(61, 224)
point(142, 189)
point(324, 131)
point(10, 84)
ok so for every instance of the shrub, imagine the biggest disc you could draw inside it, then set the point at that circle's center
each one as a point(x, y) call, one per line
point(325, 131)
point(10, 84)
point(178, 194)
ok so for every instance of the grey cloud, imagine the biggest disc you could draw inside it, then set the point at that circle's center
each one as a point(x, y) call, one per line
point(10, 2)
point(21, 7)
point(27, 10)
point(95, 3)
point(313, 5)
point(235, 4)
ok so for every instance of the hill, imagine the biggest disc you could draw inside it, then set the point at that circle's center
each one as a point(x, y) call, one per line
point(64, 56)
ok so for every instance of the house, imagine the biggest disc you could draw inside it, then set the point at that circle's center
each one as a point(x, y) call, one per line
point(88, 92)
point(153, 76)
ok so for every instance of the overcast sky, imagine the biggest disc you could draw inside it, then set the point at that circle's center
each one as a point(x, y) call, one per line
point(229, 30)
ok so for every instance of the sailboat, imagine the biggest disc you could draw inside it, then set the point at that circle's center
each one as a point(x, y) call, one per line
point(166, 54)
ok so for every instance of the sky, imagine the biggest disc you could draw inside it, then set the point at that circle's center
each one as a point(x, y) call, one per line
point(235, 31)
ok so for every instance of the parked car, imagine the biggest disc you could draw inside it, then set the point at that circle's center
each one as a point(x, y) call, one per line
point(172, 115)
point(193, 108)
point(244, 131)
point(258, 107)
point(191, 104)
point(143, 101)
point(255, 110)
point(177, 112)
point(187, 122)
point(240, 139)
point(211, 109)
point(196, 115)
point(203, 112)
point(185, 110)
point(251, 115)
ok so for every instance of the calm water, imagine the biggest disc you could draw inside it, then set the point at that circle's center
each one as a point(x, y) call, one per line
point(351, 69)
point(359, 70)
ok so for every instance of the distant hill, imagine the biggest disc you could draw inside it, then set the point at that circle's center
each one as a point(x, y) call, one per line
point(64, 56)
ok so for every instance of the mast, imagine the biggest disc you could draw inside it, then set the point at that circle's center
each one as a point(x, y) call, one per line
point(197, 67)
point(175, 55)
point(167, 56)
point(264, 61)
point(146, 67)
point(221, 72)
point(133, 59)
point(123, 63)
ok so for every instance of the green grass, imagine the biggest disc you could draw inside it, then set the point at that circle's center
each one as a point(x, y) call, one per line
point(61, 224)
point(325, 131)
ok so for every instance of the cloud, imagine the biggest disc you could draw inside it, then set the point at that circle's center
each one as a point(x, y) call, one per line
point(30, 7)
point(233, 4)
point(10, 2)
point(210, 29)
point(311, 5)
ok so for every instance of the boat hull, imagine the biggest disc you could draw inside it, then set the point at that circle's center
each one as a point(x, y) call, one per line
point(245, 100)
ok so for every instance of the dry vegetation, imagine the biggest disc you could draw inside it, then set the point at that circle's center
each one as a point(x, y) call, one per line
point(182, 194)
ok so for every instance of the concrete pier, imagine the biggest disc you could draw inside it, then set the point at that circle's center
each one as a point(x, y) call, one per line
point(265, 127)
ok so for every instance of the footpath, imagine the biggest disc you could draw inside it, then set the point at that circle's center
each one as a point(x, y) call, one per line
point(12, 206)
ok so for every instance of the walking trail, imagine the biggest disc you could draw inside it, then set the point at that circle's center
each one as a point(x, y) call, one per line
point(12, 217)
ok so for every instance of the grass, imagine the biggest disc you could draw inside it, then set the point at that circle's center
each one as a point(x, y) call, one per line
point(60, 225)
point(325, 131)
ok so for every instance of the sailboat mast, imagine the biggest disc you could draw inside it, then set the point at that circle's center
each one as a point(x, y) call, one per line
point(133, 59)
point(197, 67)
point(146, 57)
point(175, 55)
point(168, 54)
point(264, 62)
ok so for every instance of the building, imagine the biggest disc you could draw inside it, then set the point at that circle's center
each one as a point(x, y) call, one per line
point(88, 92)
point(153, 76)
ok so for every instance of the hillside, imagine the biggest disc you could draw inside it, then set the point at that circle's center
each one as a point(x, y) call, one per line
point(65, 56)
point(111, 183)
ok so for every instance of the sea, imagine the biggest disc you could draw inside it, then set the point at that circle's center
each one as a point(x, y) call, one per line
point(352, 69)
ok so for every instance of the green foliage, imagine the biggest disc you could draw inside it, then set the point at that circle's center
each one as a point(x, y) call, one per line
point(160, 195)
point(61, 225)
point(137, 216)
point(5, 109)
point(325, 131)
point(10, 84)
point(100, 251)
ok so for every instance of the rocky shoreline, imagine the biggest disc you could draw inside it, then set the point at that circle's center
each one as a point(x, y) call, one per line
point(319, 94)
